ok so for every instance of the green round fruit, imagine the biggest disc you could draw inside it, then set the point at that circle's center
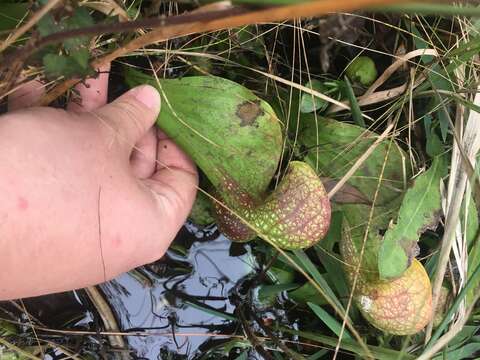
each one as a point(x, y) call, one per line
point(296, 215)
point(362, 70)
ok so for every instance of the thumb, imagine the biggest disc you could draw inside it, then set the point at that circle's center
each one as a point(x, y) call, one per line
point(132, 114)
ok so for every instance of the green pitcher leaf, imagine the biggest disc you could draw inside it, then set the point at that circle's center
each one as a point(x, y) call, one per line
point(420, 211)
point(232, 135)
point(235, 138)
point(334, 150)
point(335, 147)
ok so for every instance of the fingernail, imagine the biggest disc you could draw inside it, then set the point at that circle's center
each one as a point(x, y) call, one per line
point(147, 95)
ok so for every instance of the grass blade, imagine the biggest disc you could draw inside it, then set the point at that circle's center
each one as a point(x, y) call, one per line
point(329, 320)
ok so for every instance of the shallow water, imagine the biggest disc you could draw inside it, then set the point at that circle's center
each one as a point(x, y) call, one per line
point(166, 306)
point(172, 300)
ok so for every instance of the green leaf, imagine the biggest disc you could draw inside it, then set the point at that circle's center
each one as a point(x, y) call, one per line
point(355, 108)
point(437, 101)
point(81, 57)
point(242, 356)
point(211, 311)
point(7, 329)
point(47, 25)
point(245, 149)
point(330, 260)
point(420, 211)
point(434, 145)
point(419, 41)
point(73, 59)
point(334, 148)
point(438, 79)
point(362, 70)
point(268, 293)
point(310, 103)
point(358, 216)
point(307, 264)
point(81, 18)
point(281, 273)
point(8, 355)
point(318, 355)
point(464, 352)
point(467, 333)
point(473, 262)
point(378, 352)
point(330, 321)
point(69, 66)
point(470, 222)
point(55, 65)
point(338, 147)
point(306, 293)
point(473, 279)
point(11, 14)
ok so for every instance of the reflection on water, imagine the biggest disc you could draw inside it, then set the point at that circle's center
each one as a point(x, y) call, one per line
point(179, 300)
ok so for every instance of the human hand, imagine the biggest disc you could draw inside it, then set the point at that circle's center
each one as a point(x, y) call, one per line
point(86, 193)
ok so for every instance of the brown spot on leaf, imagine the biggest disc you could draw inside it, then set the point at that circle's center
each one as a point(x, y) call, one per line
point(248, 111)
point(412, 250)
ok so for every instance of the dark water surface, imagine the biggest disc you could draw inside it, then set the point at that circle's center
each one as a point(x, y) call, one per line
point(181, 301)
point(173, 304)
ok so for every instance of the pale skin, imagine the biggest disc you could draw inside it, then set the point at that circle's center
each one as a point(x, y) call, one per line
point(87, 193)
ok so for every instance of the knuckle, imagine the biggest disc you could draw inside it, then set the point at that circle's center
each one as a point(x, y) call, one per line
point(122, 121)
point(129, 117)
